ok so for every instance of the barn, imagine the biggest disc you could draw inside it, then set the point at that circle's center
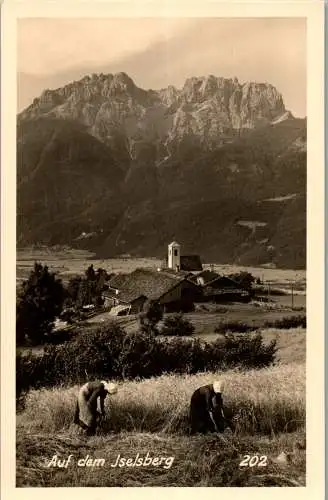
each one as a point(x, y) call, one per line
point(225, 289)
point(173, 291)
point(133, 301)
point(204, 277)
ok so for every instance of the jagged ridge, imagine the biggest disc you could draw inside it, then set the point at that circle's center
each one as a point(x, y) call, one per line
point(208, 109)
point(105, 164)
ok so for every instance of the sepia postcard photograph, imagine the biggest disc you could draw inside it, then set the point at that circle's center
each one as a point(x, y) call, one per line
point(162, 247)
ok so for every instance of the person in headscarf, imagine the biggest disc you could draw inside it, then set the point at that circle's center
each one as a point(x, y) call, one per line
point(90, 395)
point(206, 409)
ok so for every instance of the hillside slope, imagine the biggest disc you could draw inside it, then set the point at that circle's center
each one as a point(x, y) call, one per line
point(68, 182)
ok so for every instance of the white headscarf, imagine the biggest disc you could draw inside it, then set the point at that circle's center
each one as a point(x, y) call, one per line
point(109, 387)
point(218, 386)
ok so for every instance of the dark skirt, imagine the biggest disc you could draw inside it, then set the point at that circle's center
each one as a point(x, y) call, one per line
point(89, 428)
point(200, 420)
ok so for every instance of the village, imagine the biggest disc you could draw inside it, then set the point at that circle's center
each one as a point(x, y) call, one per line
point(175, 287)
point(182, 285)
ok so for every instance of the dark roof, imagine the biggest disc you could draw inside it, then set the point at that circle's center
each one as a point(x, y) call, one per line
point(123, 295)
point(147, 282)
point(206, 275)
point(223, 284)
point(129, 296)
point(180, 273)
point(110, 293)
point(190, 263)
point(119, 280)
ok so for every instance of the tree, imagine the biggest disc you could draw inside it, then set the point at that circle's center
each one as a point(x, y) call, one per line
point(86, 293)
point(38, 303)
point(90, 273)
point(244, 278)
point(101, 277)
point(73, 291)
point(88, 289)
point(152, 313)
point(176, 325)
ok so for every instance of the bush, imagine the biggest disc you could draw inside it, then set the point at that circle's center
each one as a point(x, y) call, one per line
point(113, 353)
point(243, 278)
point(288, 322)
point(248, 351)
point(60, 336)
point(149, 317)
point(30, 372)
point(176, 325)
point(233, 326)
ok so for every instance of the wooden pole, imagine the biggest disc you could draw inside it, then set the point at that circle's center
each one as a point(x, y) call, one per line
point(292, 295)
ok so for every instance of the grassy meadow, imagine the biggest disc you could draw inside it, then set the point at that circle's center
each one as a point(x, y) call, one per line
point(268, 409)
point(68, 263)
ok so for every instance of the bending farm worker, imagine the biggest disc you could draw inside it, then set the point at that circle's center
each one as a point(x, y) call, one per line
point(206, 409)
point(90, 395)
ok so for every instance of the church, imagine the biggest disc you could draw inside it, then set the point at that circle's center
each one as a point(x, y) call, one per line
point(170, 286)
point(178, 262)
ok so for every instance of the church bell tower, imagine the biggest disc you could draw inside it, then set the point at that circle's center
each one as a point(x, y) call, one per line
point(174, 256)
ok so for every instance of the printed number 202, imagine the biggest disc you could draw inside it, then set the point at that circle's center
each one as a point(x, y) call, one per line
point(253, 461)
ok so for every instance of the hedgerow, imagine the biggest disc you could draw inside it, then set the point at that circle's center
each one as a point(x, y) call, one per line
point(110, 352)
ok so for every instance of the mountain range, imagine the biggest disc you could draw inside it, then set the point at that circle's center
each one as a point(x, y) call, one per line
point(218, 165)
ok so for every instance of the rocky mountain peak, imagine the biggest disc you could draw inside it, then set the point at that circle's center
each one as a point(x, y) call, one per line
point(206, 109)
point(213, 163)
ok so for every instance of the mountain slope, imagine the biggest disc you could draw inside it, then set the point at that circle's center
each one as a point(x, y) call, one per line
point(67, 182)
point(217, 165)
point(219, 205)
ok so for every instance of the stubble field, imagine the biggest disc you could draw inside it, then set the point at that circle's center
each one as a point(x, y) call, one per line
point(152, 417)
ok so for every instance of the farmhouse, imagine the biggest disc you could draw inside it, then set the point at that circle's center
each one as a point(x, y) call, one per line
point(175, 287)
point(172, 291)
point(126, 300)
point(171, 286)
point(223, 288)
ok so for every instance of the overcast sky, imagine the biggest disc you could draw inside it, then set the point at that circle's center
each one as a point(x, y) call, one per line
point(157, 52)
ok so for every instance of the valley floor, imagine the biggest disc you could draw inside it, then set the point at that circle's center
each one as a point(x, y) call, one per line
point(72, 262)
